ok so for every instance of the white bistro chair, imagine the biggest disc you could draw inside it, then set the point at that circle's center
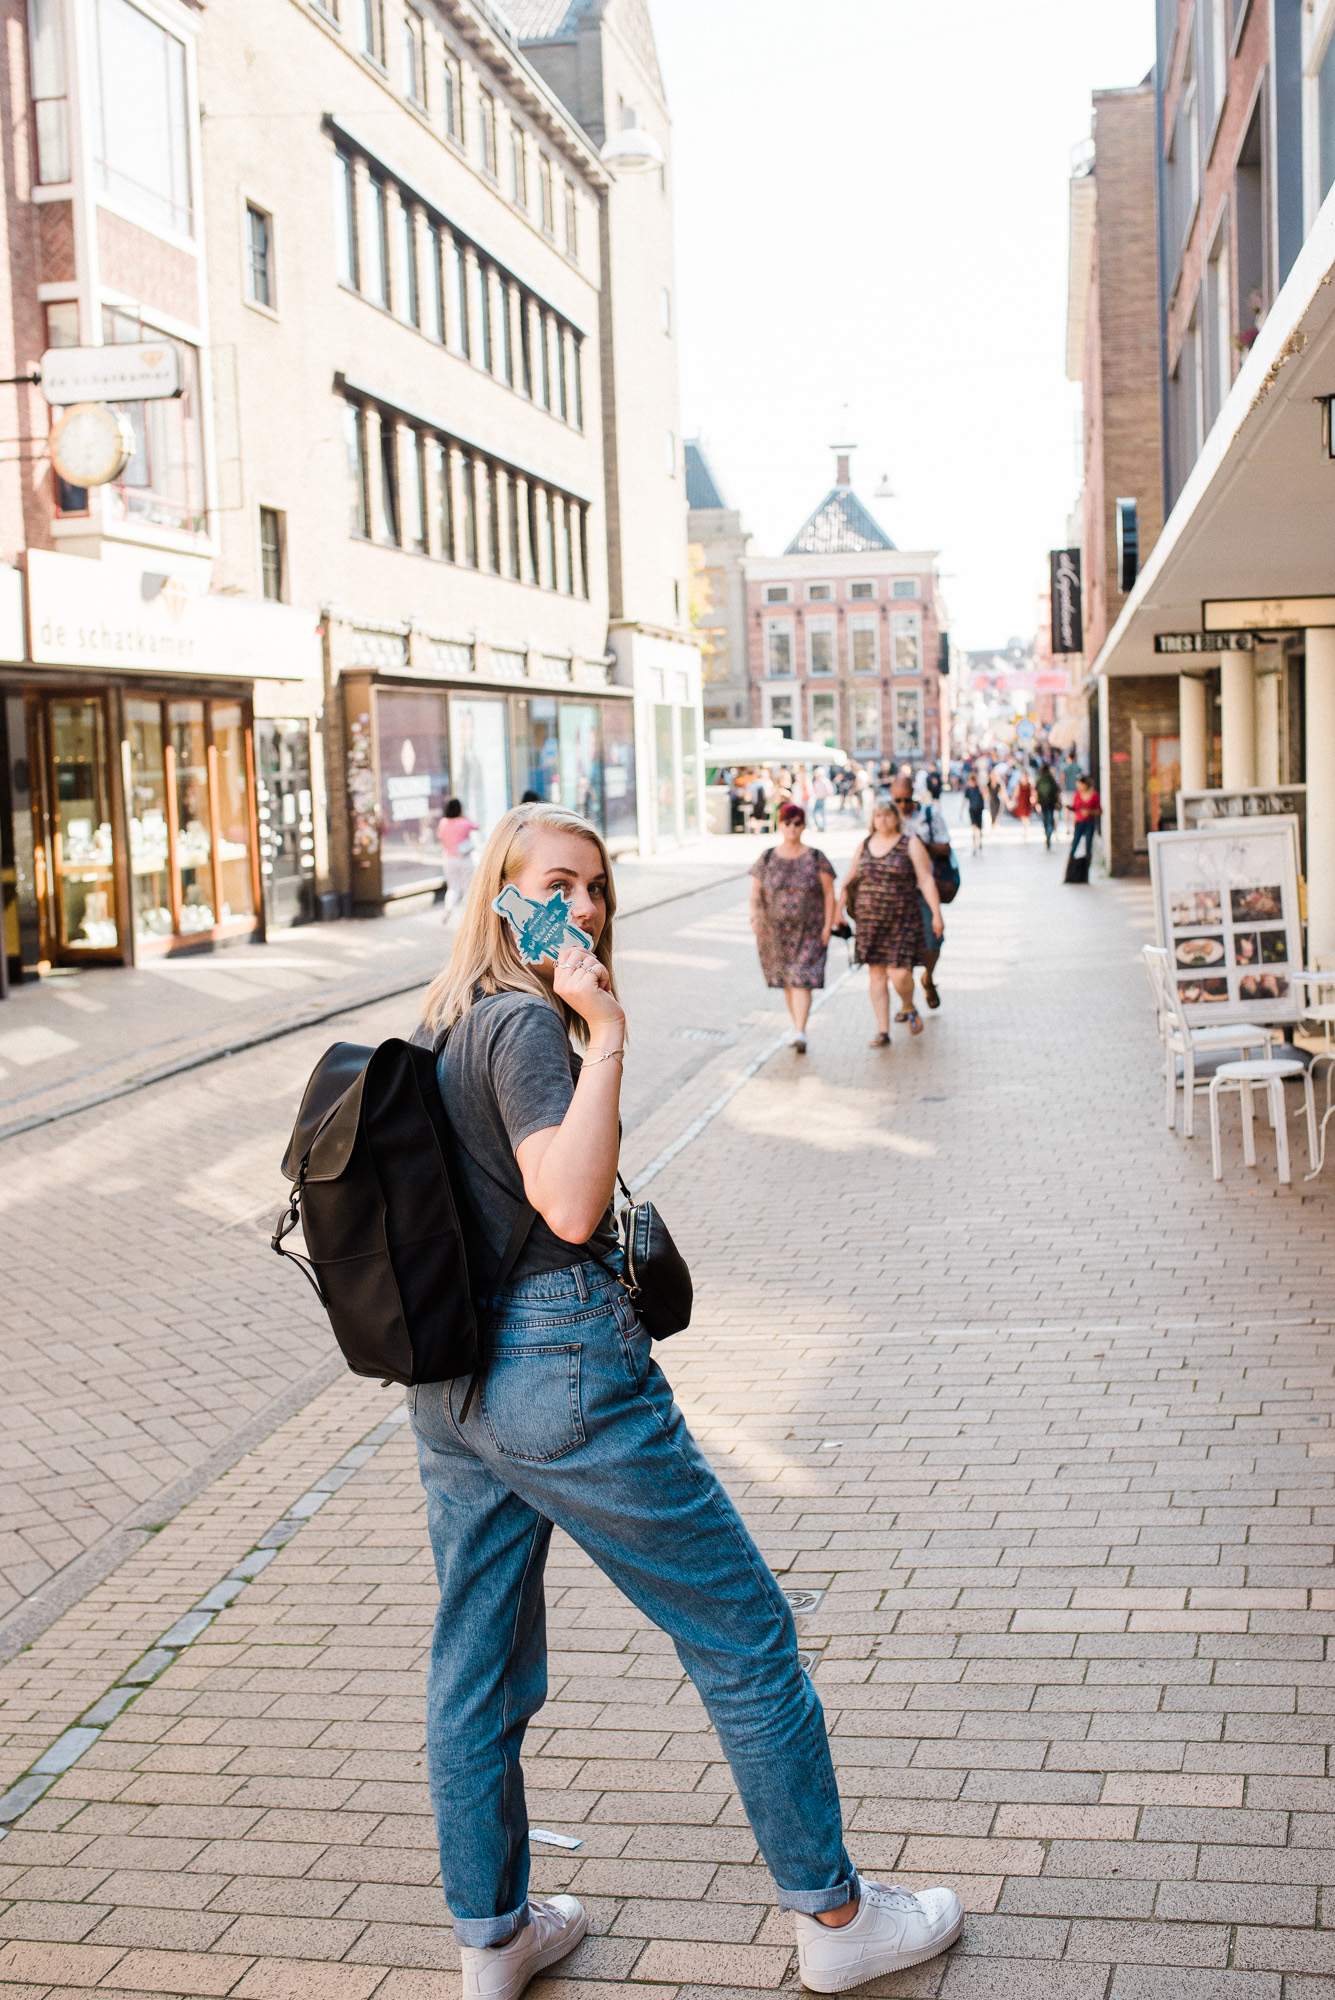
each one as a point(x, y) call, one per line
point(1270, 1076)
point(1318, 985)
point(1183, 1044)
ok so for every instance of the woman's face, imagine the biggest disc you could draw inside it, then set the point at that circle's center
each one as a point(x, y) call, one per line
point(568, 862)
point(885, 823)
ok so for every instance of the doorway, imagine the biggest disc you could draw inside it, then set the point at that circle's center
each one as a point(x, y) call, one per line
point(287, 822)
point(77, 865)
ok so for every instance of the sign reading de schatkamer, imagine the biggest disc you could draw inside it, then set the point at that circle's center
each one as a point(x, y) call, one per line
point(1205, 642)
point(140, 371)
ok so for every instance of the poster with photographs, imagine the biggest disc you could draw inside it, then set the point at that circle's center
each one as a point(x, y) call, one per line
point(1226, 905)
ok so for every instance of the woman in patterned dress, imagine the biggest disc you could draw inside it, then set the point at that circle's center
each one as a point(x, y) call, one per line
point(792, 913)
point(880, 892)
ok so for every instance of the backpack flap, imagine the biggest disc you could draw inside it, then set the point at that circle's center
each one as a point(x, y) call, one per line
point(338, 1070)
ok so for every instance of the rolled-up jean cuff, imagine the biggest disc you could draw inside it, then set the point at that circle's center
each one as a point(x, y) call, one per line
point(814, 1902)
point(480, 1931)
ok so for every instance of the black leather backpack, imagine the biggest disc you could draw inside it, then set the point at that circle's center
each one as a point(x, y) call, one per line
point(370, 1163)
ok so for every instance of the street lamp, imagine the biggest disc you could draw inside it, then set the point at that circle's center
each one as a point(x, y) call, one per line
point(632, 150)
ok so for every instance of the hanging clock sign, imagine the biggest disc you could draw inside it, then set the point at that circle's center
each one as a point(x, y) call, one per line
point(91, 444)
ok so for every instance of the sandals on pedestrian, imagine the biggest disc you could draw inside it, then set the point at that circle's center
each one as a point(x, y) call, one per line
point(915, 1022)
point(929, 992)
point(903, 1014)
point(879, 1042)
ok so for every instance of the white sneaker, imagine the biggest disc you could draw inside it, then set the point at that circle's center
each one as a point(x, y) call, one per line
point(893, 1929)
point(797, 1042)
point(501, 1972)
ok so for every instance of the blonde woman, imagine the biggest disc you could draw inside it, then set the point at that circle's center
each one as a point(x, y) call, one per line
point(573, 1423)
point(881, 892)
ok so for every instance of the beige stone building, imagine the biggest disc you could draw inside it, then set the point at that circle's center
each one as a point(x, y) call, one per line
point(718, 546)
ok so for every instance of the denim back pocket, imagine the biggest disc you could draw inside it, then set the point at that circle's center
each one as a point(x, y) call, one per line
point(530, 1402)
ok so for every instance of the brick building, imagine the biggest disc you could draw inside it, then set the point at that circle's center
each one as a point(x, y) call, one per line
point(1112, 349)
point(847, 636)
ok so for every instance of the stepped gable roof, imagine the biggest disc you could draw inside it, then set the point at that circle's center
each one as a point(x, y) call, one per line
point(840, 526)
point(701, 486)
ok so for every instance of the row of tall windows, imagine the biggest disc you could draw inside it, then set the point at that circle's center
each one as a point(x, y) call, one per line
point(414, 264)
point(415, 489)
point(432, 80)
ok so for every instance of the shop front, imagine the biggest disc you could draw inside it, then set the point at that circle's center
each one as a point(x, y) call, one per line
point(411, 749)
point(130, 759)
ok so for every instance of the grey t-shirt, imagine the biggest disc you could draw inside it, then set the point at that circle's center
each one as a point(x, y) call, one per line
point(507, 1070)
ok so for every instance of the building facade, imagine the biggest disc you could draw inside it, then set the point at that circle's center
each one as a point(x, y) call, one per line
point(716, 551)
point(847, 636)
point(600, 60)
point(1113, 338)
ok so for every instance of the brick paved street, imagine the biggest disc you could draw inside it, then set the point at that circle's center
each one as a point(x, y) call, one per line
point(1041, 1415)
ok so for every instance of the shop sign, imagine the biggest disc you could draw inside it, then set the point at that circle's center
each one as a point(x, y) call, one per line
point(1226, 905)
point(1067, 628)
point(1205, 642)
point(83, 613)
point(1052, 683)
point(1266, 614)
point(1206, 810)
point(139, 372)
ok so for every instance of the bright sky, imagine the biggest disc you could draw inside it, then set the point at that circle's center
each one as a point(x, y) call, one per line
point(871, 202)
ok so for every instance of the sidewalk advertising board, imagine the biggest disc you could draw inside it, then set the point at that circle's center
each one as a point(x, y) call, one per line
point(1201, 809)
point(1226, 906)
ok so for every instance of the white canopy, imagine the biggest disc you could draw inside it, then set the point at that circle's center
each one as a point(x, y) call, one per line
point(766, 746)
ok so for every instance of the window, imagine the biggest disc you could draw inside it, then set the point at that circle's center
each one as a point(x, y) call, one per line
point(825, 717)
point(371, 29)
point(670, 454)
point(458, 284)
point(518, 165)
point(562, 384)
point(908, 722)
point(388, 525)
point(482, 312)
point(545, 192)
point(434, 291)
point(410, 295)
point(414, 57)
point(779, 711)
point(141, 147)
point(1249, 206)
point(1216, 52)
point(345, 221)
point(259, 256)
point(905, 586)
point(62, 330)
point(354, 440)
point(822, 655)
point(514, 558)
point(163, 484)
point(487, 122)
point(507, 334)
point(414, 493)
point(375, 275)
point(861, 590)
point(441, 485)
point(273, 552)
point(866, 723)
point(576, 383)
point(544, 362)
point(819, 593)
point(778, 647)
point(526, 344)
point(776, 593)
point(568, 212)
point(1325, 95)
point(46, 49)
point(1219, 318)
point(862, 647)
point(451, 101)
point(491, 540)
point(906, 642)
point(665, 309)
point(468, 480)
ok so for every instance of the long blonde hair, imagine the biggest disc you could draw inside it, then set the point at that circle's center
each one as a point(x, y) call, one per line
point(484, 955)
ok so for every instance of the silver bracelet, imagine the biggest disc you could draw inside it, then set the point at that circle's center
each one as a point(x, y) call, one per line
point(606, 1056)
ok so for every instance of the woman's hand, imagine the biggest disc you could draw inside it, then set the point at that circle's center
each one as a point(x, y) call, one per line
point(581, 981)
point(938, 924)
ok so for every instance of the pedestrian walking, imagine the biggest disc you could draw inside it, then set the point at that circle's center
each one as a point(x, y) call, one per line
point(1022, 802)
point(928, 823)
point(1070, 776)
point(1085, 810)
point(759, 802)
point(975, 800)
point(994, 793)
point(1049, 795)
point(792, 915)
point(578, 1429)
point(883, 892)
point(821, 790)
point(456, 832)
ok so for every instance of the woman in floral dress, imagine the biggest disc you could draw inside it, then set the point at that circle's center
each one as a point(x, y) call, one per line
point(792, 913)
point(880, 893)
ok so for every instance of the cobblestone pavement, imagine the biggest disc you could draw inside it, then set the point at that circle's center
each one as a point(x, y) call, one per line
point(1039, 1419)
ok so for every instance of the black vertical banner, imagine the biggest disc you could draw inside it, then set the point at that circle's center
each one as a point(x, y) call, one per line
point(1068, 635)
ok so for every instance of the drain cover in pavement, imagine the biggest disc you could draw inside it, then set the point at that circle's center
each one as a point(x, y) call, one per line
point(804, 1600)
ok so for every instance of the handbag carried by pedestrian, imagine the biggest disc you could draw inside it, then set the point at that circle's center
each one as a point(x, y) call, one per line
point(656, 1274)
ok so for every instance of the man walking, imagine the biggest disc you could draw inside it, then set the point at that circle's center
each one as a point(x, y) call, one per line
point(1049, 795)
point(929, 823)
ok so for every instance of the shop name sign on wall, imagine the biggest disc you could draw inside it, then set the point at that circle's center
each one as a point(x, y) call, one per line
point(1205, 642)
point(1068, 634)
point(83, 613)
point(1266, 614)
point(141, 371)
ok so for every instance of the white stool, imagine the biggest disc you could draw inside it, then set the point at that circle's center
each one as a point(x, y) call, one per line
point(1271, 1073)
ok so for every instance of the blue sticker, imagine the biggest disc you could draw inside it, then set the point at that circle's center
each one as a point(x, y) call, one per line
point(541, 929)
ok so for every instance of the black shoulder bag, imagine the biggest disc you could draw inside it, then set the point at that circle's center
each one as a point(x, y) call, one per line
point(656, 1274)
